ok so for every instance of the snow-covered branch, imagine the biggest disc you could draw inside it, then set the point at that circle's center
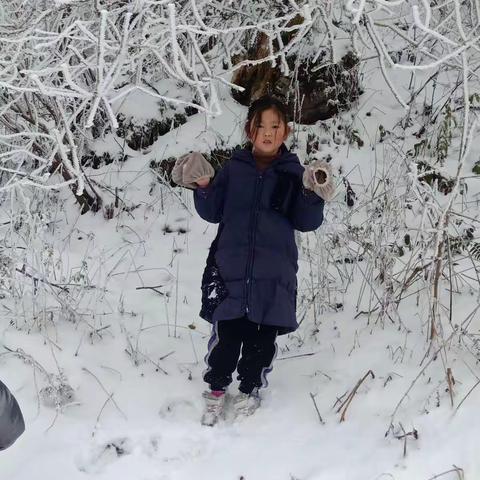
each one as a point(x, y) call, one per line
point(62, 71)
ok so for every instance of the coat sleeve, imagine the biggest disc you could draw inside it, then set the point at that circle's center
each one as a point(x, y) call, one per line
point(12, 424)
point(209, 200)
point(307, 212)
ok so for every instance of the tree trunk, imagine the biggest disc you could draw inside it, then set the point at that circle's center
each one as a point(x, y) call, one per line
point(88, 202)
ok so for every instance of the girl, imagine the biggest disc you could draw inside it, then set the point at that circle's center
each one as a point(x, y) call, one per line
point(259, 197)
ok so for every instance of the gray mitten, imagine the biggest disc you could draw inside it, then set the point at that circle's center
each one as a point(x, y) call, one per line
point(191, 167)
point(318, 177)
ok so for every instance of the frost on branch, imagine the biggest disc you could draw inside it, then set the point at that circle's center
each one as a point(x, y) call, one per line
point(427, 53)
point(65, 72)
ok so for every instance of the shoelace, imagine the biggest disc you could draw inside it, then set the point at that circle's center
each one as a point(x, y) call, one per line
point(247, 404)
point(214, 404)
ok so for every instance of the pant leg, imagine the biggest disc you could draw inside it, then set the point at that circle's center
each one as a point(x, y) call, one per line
point(223, 352)
point(258, 353)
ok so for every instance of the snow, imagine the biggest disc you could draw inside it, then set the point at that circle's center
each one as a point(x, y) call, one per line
point(160, 436)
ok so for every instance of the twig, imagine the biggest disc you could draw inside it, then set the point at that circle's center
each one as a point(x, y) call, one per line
point(154, 289)
point(365, 312)
point(176, 302)
point(57, 411)
point(312, 396)
point(26, 358)
point(110, 395)
point(152, 361)
point(166, 184)
point(167, 355)
point(459, 471)
point(100, 413)
point(339, 399)
point(36, 279)
point(297, 356)
point(415, 381)
point(465, 397)
point(382, 55)
point(349, 399)
point(451, 383)
point(413, 433)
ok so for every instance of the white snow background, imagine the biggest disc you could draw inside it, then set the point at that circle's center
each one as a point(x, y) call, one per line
point(139, 418)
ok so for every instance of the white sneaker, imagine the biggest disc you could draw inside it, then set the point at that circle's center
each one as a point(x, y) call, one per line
point(245, 404)
point(214, 408)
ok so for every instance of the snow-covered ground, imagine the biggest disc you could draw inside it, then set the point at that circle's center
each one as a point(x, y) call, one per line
point(134, 357)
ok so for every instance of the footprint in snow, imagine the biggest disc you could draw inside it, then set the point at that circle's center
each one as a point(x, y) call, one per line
point(179, 409)
point(100, 456)
point(178, 450)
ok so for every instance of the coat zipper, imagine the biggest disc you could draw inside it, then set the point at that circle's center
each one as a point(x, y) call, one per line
point(255, 213)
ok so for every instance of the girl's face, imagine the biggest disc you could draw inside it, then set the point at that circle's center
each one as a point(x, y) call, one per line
point(268, 132)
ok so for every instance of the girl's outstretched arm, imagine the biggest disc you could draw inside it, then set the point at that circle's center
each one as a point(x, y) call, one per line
point(307, 213)
point(209, 200)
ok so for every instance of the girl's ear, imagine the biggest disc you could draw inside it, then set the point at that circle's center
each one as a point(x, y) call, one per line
point(288, 130)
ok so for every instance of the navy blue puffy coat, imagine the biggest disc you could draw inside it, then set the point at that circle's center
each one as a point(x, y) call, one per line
point(256, 253)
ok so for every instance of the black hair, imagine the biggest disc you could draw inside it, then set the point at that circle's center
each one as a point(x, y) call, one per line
point(266, 102)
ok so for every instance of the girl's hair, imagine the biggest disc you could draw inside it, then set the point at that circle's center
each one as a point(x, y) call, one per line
point(258, 106)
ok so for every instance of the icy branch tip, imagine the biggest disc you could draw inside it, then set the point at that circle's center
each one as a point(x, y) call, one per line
point(357, 12)
point(306, 12)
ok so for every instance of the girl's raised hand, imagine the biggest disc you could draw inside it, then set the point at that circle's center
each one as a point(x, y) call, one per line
point(192, 170)
point(318, 176)
point(203, 181)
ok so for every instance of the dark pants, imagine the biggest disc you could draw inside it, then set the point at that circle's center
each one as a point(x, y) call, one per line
point(258, 348)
